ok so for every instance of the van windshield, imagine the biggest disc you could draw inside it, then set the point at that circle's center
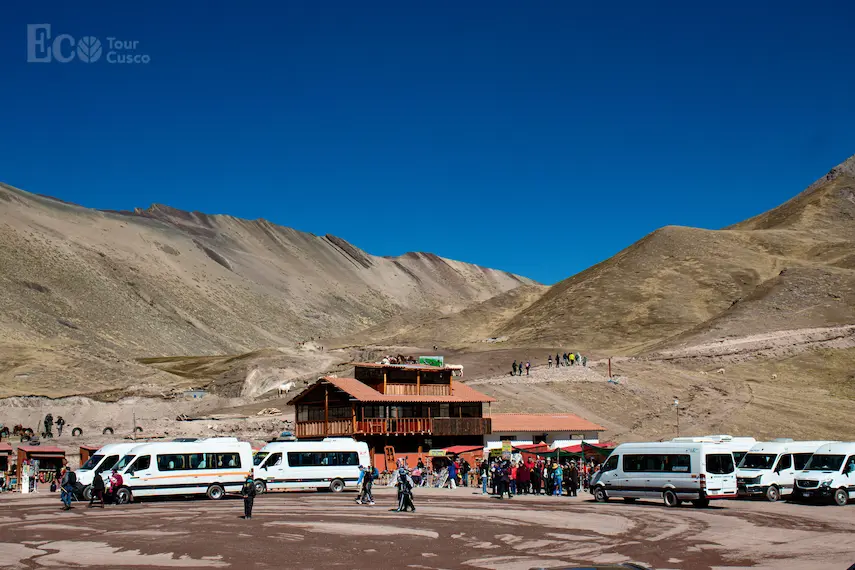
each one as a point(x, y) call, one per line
point(259, 457)
point(758, 461)
point(92, 463)
point(825, 463)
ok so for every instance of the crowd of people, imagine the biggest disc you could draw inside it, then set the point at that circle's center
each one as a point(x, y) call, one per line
point(535, 477)
point(566, 359)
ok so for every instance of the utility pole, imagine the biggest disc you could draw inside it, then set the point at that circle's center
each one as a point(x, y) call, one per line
point(677, 409)
point(135, 425)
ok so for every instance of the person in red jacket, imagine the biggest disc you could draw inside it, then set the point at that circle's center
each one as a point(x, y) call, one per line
point(116, 483)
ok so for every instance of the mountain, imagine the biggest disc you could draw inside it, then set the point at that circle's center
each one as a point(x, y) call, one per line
point(792, 267)
point(86, 292)
point(789, 268)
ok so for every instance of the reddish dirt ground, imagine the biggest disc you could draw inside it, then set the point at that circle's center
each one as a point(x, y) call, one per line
point(451, 529)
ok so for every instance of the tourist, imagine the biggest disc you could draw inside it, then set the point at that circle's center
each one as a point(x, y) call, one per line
point(405, 489)
point(248, 491)
point(67, 483)
point(549, 361)
point(527, 366)
point(512, 480)
point(573, 479)
point(514, 368)
point(557, 486)
point(452, 475)
point(48, 425)
point(97, 490)
point(59, 424)
point(557, 362)
point(116, 483)
point(484, 472)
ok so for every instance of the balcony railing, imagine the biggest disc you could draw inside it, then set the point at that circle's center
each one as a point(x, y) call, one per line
point(418, 390)
point(395, 426)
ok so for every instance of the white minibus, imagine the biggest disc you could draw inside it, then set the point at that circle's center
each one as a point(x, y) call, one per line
point(100, 462)
point(769, 469)
point(738, 446)
point(673, 471)
point(830, 473)
point(332, 463)
point(209, 467)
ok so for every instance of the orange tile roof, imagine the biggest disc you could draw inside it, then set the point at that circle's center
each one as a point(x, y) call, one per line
point(460, 393)
point(541, 423)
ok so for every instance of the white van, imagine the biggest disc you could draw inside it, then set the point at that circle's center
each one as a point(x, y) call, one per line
point(738, 446)
point(209, 467)
point(830, 473)
point(673, 471)
point(769, 469)
point(100, 462)
point(332, 463)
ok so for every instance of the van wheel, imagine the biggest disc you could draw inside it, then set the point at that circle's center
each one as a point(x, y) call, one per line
point(600, 495)
point(260, 487)
point(701, 503)
point(670, 498)
point(337, 486)
point(773, 494)
point(841, 497)
point(76, 431)
point(216, 492)
point(629, 500)
point(123, 496)
point(87, 492)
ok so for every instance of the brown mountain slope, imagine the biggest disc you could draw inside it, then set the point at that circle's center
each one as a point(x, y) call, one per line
point(680, 281)
point(89, 289)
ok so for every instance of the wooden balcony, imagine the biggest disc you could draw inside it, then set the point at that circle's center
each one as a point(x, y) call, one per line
point(418, 390)
point(394, 426)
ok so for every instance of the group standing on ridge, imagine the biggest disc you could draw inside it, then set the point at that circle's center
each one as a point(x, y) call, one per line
point(566, 359)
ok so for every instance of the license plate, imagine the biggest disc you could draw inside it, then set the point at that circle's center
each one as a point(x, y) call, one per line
point(806, 493)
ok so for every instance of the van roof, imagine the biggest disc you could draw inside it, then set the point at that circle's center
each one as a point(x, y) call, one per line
point(837, 447)
point(787, 446)
point(115, 448)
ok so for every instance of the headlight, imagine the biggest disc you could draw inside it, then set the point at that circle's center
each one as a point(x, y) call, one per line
point(826, 483)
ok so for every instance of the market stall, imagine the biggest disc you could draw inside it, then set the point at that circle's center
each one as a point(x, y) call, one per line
point(5, 465)
point(50, 461)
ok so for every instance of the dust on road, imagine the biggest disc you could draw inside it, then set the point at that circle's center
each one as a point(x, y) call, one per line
point(451, 529)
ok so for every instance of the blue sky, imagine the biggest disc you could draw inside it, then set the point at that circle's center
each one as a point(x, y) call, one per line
point(538, 137)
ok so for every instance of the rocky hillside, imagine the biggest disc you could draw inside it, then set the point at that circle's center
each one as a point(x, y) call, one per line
point(86, 292)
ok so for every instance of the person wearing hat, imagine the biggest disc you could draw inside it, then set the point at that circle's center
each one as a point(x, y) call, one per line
point(248, 492)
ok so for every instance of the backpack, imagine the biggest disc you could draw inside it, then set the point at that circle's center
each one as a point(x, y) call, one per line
point(72, 478)
point(374, 473)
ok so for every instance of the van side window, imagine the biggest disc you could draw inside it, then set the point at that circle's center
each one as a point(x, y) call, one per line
point(141, 464)
point(273, 460)
point(322, 458)
point(657, 463)
point(611, 464)
point(785, 462)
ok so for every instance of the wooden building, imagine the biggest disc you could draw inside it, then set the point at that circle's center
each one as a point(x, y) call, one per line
point(411, 407)
point(50, 459)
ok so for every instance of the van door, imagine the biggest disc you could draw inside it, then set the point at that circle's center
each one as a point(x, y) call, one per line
point(139, 475)
point(785, 474)
point(271, 471)
point(720, 474)
point(611, 476)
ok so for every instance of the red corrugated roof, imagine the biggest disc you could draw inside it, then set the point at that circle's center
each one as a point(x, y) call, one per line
point(5, 448)
point(542, 423)
point(41, 449)
point(460, 393)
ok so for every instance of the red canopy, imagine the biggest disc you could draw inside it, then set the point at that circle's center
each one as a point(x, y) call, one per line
point(40, 449)
point(458, 449)
point(5, 448)
point(531, 446)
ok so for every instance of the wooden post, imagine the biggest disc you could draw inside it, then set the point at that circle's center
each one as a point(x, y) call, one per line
point(610, 368)
point(418, 383)
point(353, 414)
point(326, 410)
point(384, 381)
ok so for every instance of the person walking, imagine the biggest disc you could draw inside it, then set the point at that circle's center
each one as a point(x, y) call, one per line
point(527, 366)
point(59, 425)
point(549, 361)
point(248, 491)
point(484, 472)
point(465, 468)
point(405, 490)
point(67, 483)
point(514, 368)
point(556, 359)
point(116, 483)
point(452, 475)
point(97, 490)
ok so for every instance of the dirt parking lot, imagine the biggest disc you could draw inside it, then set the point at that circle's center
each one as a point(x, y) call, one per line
point(450, 529)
